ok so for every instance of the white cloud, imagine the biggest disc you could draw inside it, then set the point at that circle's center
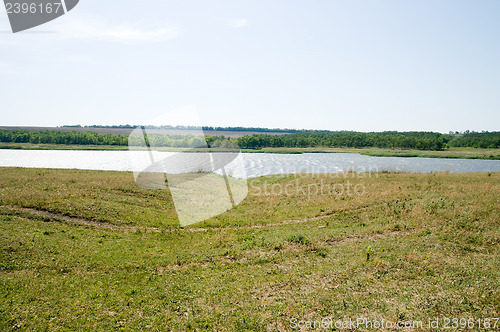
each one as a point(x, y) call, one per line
point(98, 29)
point(236, 22)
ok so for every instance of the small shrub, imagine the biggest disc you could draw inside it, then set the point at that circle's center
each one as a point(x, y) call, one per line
point(322, 252)
point(299, 239)
point(368, 251)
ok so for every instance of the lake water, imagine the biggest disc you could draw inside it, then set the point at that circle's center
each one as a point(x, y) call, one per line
point(249, 164)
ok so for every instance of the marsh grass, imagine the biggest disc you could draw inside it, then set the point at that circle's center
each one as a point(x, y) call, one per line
point(453, 152)
point(414, 246)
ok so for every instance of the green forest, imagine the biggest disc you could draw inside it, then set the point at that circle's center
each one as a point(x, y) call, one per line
point(61, 137)
point(302, 139)
point(390, 139)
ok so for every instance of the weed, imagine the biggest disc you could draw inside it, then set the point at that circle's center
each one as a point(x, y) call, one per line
point(299, 239)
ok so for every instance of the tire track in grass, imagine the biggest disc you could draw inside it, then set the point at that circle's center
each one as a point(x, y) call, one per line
point(26, 213)
point(78, 221)
point(59, 217)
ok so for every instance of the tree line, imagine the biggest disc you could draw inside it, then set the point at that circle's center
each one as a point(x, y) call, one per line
point(389, 139)
point(205, 128)
point(414, 140)
point(302, 139)
point(61, 137)
point(485, 140)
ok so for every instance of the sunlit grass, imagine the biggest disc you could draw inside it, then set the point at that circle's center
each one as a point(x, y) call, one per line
point(411, 246)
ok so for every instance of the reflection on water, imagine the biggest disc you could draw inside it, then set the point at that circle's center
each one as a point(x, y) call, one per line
point(256, 164)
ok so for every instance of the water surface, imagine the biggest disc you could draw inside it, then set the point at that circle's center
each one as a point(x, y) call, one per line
point(255, 164)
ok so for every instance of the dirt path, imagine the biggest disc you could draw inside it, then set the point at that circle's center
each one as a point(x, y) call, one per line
point(59, 217)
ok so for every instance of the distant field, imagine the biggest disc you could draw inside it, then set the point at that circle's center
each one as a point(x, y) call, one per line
point(90, 250)
point(127, 131)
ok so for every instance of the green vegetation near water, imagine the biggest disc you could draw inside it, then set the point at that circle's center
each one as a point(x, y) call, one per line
point(455, 153)
point(89, 250)
point(422, 141)
point(43, 146)
point(386, 140)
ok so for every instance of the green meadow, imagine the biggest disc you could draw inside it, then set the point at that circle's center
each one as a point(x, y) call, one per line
point(90, 250)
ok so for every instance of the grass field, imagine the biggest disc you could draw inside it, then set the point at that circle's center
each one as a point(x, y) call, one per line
point(455, 153)
point(89, 250)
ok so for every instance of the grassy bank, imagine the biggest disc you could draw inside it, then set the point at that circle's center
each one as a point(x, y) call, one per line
point(457, 153)
point(30, 146)
point(90, 250)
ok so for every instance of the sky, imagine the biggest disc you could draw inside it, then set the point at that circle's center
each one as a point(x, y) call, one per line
point(369, 65)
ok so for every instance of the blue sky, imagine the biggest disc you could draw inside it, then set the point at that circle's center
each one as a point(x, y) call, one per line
point(337, 65)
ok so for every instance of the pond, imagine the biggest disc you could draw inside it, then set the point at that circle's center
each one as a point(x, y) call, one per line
point(250, 164)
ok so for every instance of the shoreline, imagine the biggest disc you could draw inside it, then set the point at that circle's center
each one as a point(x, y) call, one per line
point(452, 153)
